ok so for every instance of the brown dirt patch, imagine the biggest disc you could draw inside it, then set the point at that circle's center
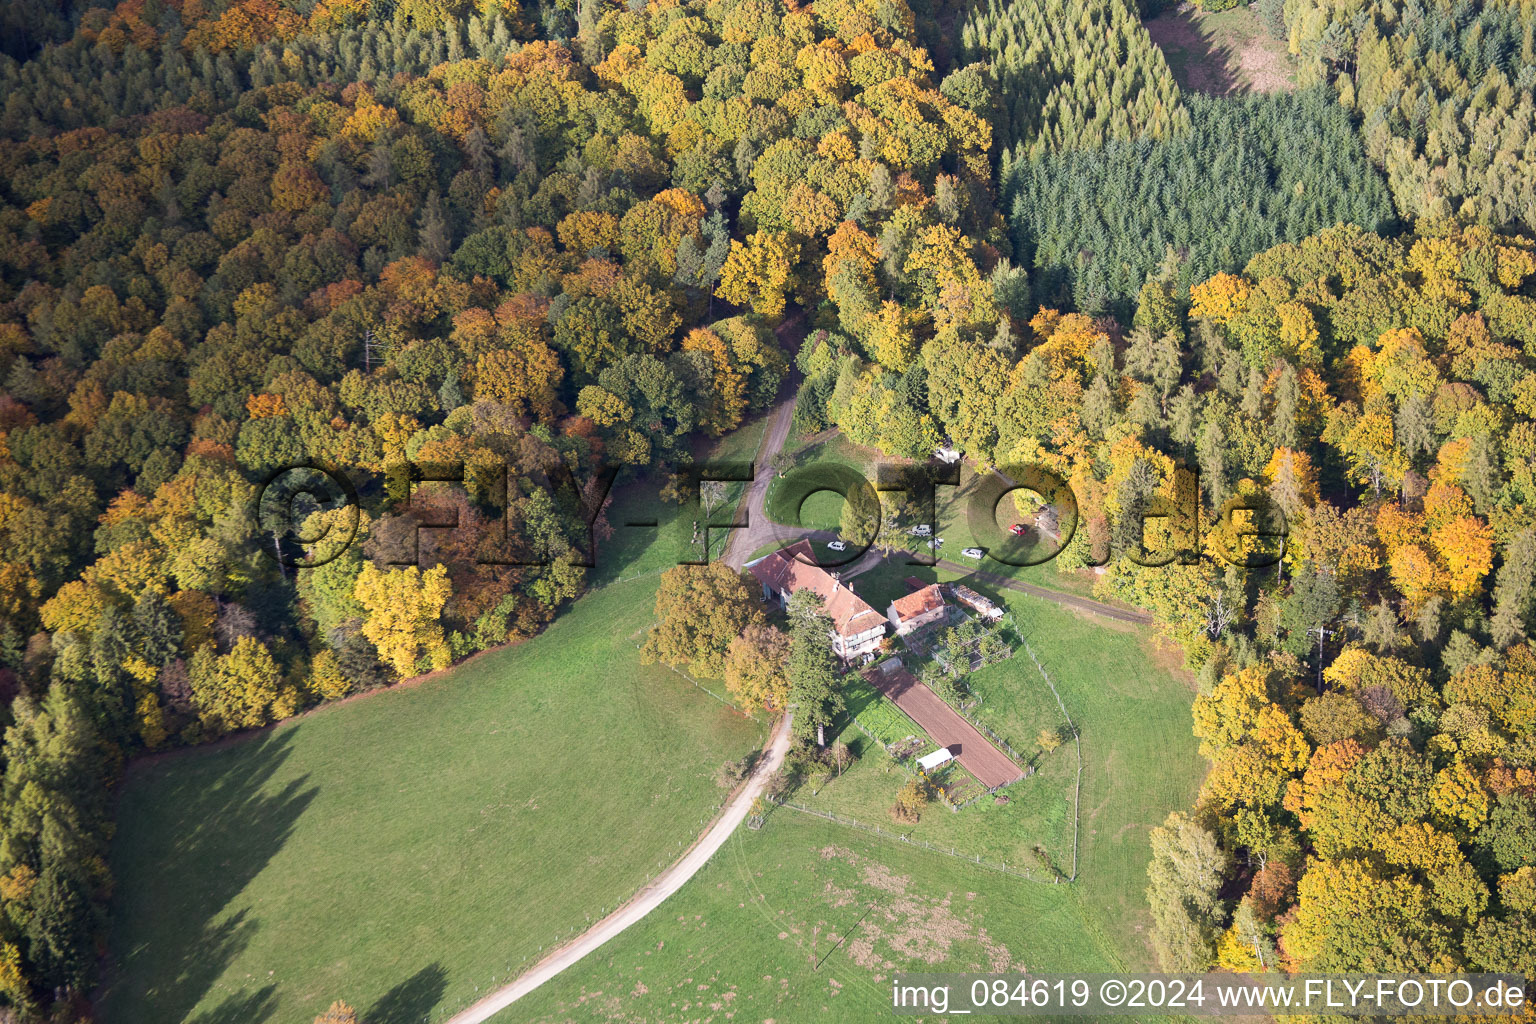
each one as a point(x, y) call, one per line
point(1265, 66)
point(905, 927)
point(1224, 53)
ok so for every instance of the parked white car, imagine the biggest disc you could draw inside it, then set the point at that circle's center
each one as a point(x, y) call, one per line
point(935, 542)
point(972, 552)
point(922, 530)
point(837, 545)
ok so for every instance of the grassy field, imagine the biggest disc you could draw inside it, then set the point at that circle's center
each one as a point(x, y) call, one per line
point(1131, 708)
point(819, 510)
point(403, 850)
point(409, 850)
point(1139, 757)
point(1222, 53)
point(743, 939)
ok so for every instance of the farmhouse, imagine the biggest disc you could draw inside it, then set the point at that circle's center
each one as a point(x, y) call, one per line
point(916, 609)
point(857, 629)
point(976, 603)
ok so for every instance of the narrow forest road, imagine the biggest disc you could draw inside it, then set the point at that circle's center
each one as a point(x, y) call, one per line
point(759, 529)
point(648, 898)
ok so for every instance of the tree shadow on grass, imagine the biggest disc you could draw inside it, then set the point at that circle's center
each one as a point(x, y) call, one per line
point(857, 698)
point(193, 832)
point(412, 1000)
point(244, 1008)
point(1197, 60)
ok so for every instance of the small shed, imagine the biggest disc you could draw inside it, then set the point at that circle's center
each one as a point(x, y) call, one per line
point(929, 762)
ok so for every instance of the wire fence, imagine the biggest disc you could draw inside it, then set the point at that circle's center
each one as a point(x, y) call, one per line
point(903, 837)
point(723, 700)
point(969, 715)
point(1077, 742)
point(1018, 759)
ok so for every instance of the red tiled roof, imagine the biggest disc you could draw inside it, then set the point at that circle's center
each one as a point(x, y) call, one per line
point(783, 571)
point(918, 602)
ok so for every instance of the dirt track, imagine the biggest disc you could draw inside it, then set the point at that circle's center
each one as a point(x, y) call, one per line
point(649, 898)
point(944, 724)
point(760, 530)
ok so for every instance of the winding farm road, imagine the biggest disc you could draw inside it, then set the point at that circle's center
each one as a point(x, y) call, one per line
point(648, 898)
point(738, 549)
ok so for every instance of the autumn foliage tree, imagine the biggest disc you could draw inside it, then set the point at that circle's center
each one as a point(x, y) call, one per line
point(755, 668)
point(701, 610)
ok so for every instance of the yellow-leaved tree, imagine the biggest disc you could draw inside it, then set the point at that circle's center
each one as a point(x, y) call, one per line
point(405, 608)
point(241, 689)
point(339, 1013)
point(759, 272)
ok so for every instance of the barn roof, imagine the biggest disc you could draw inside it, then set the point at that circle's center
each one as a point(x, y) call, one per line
point(785, 572)
point(919, 602)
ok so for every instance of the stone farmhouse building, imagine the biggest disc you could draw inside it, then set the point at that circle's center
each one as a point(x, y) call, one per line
point(857, 629)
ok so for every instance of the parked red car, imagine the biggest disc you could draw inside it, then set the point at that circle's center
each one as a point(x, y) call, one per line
point(1017, 529)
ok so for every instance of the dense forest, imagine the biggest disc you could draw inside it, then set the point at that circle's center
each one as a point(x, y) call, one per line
point(1368, 704)
point(1071, 75)
point(557, 240)
point(546, 242)
point(1093, 224)
point(1443, 92)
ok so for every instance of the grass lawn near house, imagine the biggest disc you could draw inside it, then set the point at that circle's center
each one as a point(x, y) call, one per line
point(1039, 809)
point(738, 446)
point(402, 850)
point(875, 712)
point(742, 940)
point(632, 551)
point(1131, 705)
point(1140, 758)
point(820, 510)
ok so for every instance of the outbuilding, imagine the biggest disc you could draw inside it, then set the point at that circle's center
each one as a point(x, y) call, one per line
point(916, 609)
point(928, 762)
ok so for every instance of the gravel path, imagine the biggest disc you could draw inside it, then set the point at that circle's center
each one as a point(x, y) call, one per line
point(759, 530)
point(648, 898)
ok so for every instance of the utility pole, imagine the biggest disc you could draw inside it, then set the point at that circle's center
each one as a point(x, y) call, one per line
point(1323, 632)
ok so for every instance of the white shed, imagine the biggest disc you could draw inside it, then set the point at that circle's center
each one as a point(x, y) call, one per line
point(931, 761)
